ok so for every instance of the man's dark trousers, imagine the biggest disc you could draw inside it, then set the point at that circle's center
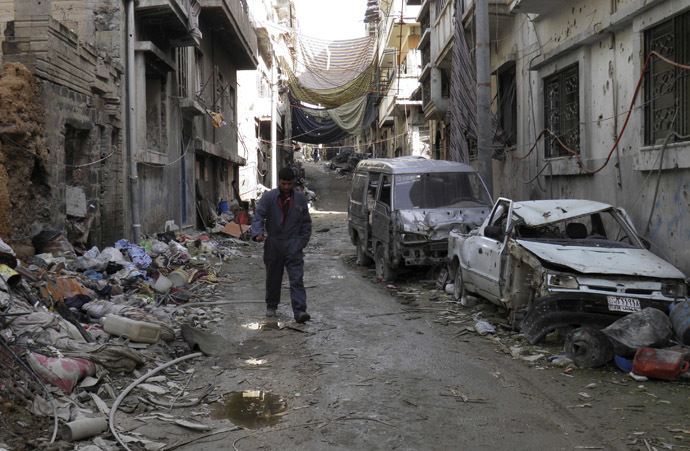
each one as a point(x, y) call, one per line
point(279, 254)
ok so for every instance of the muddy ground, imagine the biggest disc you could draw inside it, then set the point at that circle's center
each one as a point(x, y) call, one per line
point(394, 368)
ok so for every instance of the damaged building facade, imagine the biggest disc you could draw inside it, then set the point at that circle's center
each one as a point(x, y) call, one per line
point(264, 101)
point(66, 158)
point(604, 78)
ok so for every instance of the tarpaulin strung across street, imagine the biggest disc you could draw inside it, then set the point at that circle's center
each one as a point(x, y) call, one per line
point(350, 118)
point(315, 130)
point(331, 73)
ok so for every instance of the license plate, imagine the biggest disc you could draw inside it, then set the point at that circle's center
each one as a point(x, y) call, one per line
point(628, 305)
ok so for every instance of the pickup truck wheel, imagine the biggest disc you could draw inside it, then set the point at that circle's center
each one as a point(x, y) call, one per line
point(362, 258)
point(383, 270)
point(459, 285)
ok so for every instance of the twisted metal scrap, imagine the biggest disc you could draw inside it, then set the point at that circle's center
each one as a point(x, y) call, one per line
point(18, 382)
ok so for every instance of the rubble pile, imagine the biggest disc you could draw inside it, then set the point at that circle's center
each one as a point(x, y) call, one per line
point(76, 327)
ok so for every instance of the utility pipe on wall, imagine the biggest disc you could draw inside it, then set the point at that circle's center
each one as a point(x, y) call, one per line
point(274, 126)
point(484, 131)
point(131, 126)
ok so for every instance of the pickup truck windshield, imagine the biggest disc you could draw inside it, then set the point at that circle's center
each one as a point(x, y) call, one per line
point(440, 190)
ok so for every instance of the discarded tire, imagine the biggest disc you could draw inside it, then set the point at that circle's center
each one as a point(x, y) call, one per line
point(588, 347)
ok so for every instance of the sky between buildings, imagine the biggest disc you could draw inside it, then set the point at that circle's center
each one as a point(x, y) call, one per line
point(331, 19)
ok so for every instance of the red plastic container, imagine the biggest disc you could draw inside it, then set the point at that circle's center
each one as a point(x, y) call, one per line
point(659, 364)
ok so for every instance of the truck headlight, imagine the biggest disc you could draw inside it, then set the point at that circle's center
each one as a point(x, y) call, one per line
point(414, 238)
point(562, 281)
point(673, 289)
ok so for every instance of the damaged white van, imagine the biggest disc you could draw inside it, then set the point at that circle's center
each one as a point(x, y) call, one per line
point(562, 263)
point(401, 210)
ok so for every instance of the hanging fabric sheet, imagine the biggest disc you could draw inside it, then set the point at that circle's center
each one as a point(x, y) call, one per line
point(315, 130)
point(331, 73)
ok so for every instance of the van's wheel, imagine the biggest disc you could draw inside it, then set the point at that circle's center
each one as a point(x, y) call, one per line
point(383, 270)
point(362, 258)
point(459, 285)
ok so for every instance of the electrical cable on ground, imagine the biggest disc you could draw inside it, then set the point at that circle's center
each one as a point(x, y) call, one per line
point(125, 392)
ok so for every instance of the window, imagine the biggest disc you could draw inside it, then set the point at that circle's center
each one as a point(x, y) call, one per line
point(562, 111)
point(440, 190)
point(667, 88)
point(371, 191)
point(359, 182)
point(385, 191)
point(182, 71)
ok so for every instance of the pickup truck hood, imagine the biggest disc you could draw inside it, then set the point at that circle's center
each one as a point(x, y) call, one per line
point(436, 223)
point(597, 260)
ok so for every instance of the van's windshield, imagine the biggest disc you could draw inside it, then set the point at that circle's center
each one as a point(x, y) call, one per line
point(440, 190)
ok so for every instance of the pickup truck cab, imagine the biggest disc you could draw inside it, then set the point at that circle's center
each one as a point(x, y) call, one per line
point(401, 210)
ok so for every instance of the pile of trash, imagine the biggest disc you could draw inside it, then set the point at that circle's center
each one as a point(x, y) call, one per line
point(73, 324)
point(640, 343)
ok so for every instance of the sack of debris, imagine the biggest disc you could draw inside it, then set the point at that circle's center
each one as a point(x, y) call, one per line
point(649, 327)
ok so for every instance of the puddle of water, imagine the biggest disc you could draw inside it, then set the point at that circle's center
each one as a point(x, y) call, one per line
point(268, 325)
point(253, 409)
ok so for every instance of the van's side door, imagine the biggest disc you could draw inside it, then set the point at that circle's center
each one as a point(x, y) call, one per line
point(381, 215)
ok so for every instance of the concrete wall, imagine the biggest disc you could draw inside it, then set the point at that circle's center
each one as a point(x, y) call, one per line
point(607, 46)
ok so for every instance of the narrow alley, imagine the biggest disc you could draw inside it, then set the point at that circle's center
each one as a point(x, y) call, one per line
point(485, 202)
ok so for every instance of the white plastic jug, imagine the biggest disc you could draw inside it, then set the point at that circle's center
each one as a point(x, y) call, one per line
point(138, 331)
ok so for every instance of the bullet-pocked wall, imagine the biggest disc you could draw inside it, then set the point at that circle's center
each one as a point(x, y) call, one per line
point(576, 71)
point(78, 99)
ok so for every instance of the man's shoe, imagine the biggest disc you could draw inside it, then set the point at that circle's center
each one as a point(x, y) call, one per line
point(270, 312)
point(303, 317)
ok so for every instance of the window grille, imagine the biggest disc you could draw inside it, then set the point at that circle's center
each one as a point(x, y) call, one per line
point(562, 111)
point(182, 72)
point(667, 88)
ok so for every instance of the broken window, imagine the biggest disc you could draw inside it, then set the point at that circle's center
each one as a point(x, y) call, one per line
point(667, 88)
point(371, 191)
point(602, 229)
point(439, 190)
point(562, 112)
point(359, 182)
point(385, 191)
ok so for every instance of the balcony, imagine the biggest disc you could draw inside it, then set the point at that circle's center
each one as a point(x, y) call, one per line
point(537, 6)
point(501, 16)
point(231, 25)
point(165, 22)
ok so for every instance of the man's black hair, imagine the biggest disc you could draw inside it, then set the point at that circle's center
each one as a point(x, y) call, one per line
point(286, 174)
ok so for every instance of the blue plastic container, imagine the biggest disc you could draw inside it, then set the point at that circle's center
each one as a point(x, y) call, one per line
point(680, 318)
point(223, 206)
point(623, 364)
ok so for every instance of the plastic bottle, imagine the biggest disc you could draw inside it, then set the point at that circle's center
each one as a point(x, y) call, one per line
point(659, 363)
point(138, 331)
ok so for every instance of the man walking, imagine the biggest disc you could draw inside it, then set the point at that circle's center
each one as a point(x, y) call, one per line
point(282, 220)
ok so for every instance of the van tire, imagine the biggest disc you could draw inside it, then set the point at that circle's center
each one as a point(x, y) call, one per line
point(383, 269)
point(362, 258)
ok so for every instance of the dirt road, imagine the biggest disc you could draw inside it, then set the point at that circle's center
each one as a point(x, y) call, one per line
point(370, 373)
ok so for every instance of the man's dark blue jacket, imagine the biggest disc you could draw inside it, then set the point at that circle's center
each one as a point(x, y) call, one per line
point(268, 218)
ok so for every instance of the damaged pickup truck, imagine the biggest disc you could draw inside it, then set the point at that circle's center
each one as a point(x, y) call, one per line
point(556, 264)
point(401, 210)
